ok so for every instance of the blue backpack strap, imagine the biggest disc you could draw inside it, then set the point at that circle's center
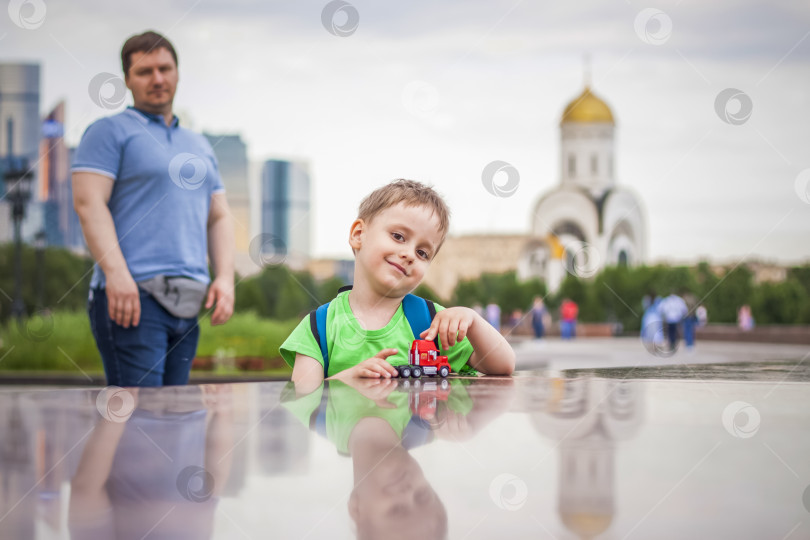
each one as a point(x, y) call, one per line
point(416, 433)
point(320, 417)
point(317, 323)
point(420, 313)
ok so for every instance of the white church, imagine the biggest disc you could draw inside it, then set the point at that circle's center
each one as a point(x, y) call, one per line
point(585, 223)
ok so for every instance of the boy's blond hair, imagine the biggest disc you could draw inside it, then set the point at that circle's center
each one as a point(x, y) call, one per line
point(411, 193)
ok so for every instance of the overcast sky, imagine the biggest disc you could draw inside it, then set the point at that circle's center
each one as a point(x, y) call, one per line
point(435, 91)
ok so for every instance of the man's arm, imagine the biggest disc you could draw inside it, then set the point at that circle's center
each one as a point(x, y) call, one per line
point(91, 193)
point(220, 252)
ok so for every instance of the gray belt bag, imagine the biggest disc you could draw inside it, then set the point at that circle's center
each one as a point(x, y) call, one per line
point(180, 296)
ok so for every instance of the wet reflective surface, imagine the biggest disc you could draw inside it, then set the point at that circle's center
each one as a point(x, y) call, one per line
point(527, 457)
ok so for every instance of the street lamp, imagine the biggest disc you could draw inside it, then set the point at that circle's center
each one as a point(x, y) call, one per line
point(18, 178)
point(40, 241)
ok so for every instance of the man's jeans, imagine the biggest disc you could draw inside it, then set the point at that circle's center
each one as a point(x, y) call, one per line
point(157, 352)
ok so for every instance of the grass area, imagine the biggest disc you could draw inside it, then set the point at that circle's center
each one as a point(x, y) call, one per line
point(62, 342)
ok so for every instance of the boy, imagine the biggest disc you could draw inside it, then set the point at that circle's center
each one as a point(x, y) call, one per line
point(398, 231)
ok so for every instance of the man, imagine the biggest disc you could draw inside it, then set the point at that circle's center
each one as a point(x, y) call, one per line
point(150, 201)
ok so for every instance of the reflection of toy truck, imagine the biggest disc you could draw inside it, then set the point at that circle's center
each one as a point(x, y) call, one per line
point(424, 359)
point(424, 402)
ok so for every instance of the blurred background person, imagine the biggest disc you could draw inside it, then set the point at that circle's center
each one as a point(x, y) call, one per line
point(539, 314)
point(569, 310)
point(745, 319)
point(690, 322)
point(673, 312)
point(493, 315)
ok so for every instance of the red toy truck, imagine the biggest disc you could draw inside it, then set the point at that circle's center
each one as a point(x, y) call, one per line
point(424, 359)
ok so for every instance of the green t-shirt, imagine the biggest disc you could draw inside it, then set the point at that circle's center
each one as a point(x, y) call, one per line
point(349, 344)
point(346, 407)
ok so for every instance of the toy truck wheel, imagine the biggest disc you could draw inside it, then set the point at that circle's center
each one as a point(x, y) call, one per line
point(404, 371)
point(416, 372)
point(444, 371)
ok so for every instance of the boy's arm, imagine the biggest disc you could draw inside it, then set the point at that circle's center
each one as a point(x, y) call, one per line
point(307, 374)
point(493, 355)
point(376, 367)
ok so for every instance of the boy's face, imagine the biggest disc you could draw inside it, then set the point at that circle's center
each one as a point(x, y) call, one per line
point(395, 248)
point(395, 500)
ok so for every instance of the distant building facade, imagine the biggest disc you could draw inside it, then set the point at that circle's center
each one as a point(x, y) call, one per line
point(232, 158)
point(62, 226)
point(20, 131)
point(285, 210)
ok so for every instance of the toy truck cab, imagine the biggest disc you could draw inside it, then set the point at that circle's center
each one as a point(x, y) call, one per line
point(424, 359)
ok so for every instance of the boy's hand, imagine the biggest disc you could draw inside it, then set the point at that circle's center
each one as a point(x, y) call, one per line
point(451, 325)
point(376, 367)
point(377, 390)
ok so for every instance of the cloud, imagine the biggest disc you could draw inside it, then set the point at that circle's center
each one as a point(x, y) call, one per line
point(500, 72)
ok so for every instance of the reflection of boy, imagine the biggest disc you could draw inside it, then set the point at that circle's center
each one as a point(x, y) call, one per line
point(399, 229)
point(391, 496)
point(368, 420)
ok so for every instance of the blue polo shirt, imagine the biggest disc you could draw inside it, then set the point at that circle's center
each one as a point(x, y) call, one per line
point(164, 177)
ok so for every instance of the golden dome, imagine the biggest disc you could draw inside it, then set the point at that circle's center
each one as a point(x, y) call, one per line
point(587, 108)
point(586, 524)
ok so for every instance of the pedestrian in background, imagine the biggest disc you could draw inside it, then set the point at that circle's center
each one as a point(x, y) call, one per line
point(652, 332)
point(493, 312)
point(673, 311)
point(539, 313)
point(569, 311)
point(690, 322)
point(745, 320)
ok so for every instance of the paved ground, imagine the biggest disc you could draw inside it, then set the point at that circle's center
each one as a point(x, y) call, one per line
point(553, 356)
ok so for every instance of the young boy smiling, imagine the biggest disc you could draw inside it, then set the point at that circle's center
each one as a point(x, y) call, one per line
point(398, 231)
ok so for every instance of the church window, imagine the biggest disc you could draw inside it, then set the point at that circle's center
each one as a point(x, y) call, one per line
point(572, 165)
point(594, 164)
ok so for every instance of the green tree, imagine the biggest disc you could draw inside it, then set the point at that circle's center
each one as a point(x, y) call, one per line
point(66, 278)
point(780, 303)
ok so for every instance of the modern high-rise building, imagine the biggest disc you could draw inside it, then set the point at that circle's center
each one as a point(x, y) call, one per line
point(285, 211)
point(61, 222)
point(20, 132)
point(75, 237)
point(231, 153)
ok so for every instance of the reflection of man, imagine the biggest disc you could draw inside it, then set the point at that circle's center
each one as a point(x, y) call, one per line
point(151, 202)
point(159, 473)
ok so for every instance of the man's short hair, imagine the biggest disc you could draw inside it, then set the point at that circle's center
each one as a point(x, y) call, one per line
point(147, 42)
point(411, 193)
